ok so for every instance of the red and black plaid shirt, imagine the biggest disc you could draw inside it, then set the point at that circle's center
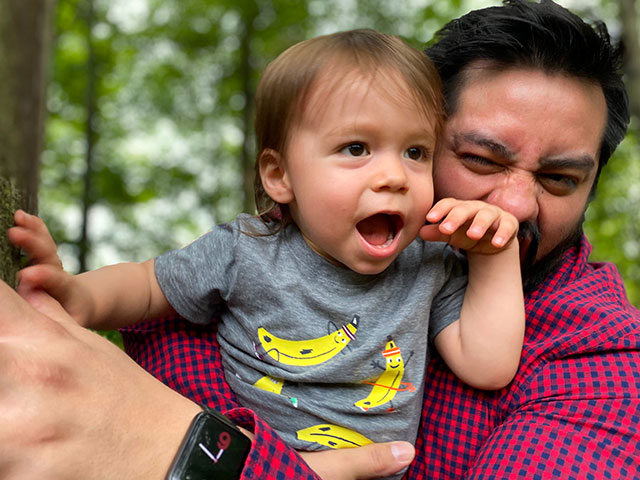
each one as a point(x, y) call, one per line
point(572, 411)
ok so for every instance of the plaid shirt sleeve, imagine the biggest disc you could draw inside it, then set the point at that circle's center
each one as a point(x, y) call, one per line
point(186, 358)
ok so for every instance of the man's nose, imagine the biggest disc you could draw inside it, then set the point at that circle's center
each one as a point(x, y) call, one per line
point(389, 174)
point(517, 194)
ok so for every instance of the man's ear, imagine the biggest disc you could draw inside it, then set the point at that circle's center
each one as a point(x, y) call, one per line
point(275, 179)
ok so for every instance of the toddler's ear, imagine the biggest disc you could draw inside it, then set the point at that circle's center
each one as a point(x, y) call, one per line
point(275, 179)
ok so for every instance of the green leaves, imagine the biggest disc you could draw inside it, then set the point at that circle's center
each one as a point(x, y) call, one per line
point(613, 219)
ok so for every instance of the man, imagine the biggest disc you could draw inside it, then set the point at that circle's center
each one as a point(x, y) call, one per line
point(523, 132)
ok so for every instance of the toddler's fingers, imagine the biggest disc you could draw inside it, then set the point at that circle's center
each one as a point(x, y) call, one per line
point(21, 218)
point(431, 233)
point(461, 240)
point(458, 216)
point(33, 237)
point(45, 277)
point(507, 230)
point(484, 219)
point(441, 209)
point(31, 222)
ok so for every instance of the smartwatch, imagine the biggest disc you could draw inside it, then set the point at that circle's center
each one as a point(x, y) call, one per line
point(213, 448)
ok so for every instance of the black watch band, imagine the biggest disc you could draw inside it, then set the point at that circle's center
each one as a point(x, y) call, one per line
point(213, 448)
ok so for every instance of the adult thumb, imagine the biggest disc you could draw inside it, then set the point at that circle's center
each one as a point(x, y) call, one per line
point(46, 304)
point(370, 461)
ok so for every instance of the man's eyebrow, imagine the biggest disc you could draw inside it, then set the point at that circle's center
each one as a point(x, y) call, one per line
point(584, 162)
point(480, 140)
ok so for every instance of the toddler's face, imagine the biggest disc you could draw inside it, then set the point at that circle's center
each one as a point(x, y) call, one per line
point(359, 164)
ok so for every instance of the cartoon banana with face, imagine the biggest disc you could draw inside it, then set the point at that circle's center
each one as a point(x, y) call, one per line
point(333, 436)
point(389, 383)
point(308, 352)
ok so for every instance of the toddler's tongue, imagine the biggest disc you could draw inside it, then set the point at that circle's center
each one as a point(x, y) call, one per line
point(377, 229)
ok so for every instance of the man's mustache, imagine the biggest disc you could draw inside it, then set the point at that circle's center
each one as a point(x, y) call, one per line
point(529, 238)
point(535, 272)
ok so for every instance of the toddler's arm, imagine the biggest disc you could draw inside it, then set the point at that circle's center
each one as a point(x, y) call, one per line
point(483, 348)
point(107, 298)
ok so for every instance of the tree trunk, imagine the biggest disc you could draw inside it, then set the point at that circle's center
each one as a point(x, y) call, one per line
point(87, 197)
point(25, 32)
point(628, 15)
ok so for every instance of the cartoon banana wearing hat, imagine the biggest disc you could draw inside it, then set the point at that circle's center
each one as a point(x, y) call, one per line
point(389, 383)
point(333, 436)
point(308, 352)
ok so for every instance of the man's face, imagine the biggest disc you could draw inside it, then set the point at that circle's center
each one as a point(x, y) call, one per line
point(528, 142)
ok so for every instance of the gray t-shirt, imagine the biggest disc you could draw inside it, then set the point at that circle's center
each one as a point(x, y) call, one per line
point(328, 357)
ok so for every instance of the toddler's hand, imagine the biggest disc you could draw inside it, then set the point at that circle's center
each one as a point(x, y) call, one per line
point(44, 270)
point(470, 225)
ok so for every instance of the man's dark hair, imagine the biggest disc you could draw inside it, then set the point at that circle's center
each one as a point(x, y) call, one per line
point(544, 36)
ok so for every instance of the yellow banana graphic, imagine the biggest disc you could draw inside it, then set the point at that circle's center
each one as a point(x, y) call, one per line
point(270, 384)
point(308, 352)
point(388, 384)
point(274, 385)
point(333, 436)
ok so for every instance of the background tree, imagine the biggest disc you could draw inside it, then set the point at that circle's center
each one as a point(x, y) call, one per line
point(24, 49)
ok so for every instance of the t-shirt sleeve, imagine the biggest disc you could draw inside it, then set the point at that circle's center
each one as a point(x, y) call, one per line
point(197, 278)
point(447, 303)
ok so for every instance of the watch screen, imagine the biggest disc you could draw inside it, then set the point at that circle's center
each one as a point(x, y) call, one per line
point(215, 451)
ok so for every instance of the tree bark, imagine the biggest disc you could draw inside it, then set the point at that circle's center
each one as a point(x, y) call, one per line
point(628, 15)
point(25, 32)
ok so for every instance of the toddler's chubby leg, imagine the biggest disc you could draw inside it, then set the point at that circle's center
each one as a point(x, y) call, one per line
point(44, 270)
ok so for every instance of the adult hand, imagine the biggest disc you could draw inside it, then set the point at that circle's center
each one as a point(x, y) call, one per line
point(371, 461)
point(74, 406)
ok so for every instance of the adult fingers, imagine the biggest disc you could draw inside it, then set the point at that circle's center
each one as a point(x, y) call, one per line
point(46, 304)
point(14, 311)
point(371, 461)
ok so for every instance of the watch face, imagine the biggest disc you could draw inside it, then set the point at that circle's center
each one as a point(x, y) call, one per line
point(214, 450)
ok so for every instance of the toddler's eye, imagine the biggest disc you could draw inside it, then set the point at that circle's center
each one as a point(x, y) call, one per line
point(355, 150)
point(415, 153)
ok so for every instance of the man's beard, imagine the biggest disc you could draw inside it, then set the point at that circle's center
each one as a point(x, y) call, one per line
point(535, 272)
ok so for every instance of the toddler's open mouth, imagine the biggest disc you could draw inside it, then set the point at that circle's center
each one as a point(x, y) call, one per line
point(380, 230)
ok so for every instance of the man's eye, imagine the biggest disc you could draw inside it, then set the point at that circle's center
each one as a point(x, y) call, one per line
point(558, 184)
point(355, 150)
point(480, 164)
point(416, 153)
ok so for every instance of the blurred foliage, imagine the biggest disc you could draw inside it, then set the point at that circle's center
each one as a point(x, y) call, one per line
point(613, 219)
point(170, 123)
